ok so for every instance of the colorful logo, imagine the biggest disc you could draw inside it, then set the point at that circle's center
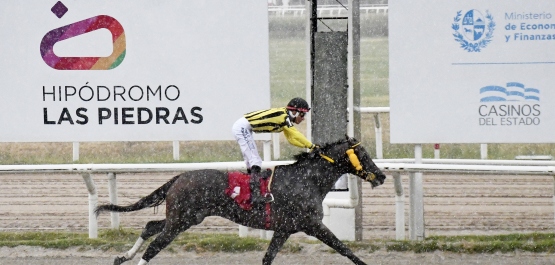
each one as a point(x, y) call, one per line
point(80, 28)
point(513, 92)
point(477, 30)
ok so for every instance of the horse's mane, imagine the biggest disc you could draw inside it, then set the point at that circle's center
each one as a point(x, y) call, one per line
point(303, 156)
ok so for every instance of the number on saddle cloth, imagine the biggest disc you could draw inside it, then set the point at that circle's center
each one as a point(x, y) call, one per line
point(238, 187)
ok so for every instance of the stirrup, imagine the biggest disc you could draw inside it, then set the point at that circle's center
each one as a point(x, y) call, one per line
point(269, 195)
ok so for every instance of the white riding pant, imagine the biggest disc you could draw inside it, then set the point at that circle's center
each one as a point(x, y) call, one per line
point(242, 131)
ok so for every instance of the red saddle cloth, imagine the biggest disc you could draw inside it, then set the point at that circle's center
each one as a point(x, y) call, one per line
point(240, 190)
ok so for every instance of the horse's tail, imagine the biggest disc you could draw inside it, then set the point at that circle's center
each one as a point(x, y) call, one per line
point(154, 199)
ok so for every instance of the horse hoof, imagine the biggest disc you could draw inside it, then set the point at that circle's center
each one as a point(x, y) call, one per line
point(119, 260)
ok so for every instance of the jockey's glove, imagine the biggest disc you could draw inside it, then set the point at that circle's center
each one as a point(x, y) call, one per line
point(315, 148)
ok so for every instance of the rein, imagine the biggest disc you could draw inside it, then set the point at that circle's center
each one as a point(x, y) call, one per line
point(355, 162)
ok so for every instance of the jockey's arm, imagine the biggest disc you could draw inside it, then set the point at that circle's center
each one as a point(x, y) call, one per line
point(296, 138)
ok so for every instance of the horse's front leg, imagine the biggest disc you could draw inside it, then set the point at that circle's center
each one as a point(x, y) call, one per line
point(320, 231)
point(276, 243)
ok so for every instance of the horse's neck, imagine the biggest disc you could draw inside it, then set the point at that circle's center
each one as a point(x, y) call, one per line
point(324, 176)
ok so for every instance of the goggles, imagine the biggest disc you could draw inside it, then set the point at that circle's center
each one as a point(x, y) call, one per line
point(298, 113)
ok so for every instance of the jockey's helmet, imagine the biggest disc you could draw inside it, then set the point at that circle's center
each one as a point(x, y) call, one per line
point(298, 104)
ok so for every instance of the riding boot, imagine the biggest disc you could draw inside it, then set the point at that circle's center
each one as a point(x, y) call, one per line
point(256, 197)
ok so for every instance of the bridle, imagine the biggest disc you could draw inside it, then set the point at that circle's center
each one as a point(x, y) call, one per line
point(355, 162)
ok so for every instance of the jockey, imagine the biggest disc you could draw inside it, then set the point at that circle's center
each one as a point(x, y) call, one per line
point(273, 120)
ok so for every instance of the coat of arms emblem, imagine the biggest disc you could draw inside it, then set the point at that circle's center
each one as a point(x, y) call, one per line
point(473, 31)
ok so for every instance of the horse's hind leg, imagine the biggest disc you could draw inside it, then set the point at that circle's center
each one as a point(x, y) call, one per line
point(151, 228)
point(277, 242)
point(168, 234)
point(323, 234)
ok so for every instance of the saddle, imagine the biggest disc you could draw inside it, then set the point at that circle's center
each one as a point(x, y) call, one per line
point(239, 189)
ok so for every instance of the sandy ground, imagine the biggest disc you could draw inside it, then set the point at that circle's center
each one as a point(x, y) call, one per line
point(454, 205)
point(311, 255)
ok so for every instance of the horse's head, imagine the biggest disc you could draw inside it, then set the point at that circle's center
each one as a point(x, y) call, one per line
point(351, 155)
point(362, 163)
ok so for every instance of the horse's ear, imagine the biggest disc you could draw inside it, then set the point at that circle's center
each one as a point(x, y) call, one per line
point(351, 140)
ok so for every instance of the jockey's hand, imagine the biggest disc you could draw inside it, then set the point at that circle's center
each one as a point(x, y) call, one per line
point(315, 149)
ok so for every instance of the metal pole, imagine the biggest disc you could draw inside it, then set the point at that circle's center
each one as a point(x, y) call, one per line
point(378, 130)
point(267, 146)
point(311, 27)
point(75, 151)
point(436, 151)
point(243, 231)
point(416, 199)
point(175, 150)
point(399, 207)
point(412, 229)
point(275, 145)
point(554, 194)
point(113, 191)
point(484, 151)
point(93, 202)
point(353, 60)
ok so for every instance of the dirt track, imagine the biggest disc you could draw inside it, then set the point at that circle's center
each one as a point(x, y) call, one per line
point(454, 205)
point(313, 255)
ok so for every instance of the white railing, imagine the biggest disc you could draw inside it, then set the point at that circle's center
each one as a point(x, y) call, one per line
point(396, 167)
point(325, 10)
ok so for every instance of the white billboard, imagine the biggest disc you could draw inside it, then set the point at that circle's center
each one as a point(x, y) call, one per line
point(472, 71)
point(130, 70)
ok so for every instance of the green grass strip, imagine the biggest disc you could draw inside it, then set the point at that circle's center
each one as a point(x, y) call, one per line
point(123, 239)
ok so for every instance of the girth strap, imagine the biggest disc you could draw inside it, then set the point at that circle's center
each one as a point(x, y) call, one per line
point(268, 207)
point(270, 181)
